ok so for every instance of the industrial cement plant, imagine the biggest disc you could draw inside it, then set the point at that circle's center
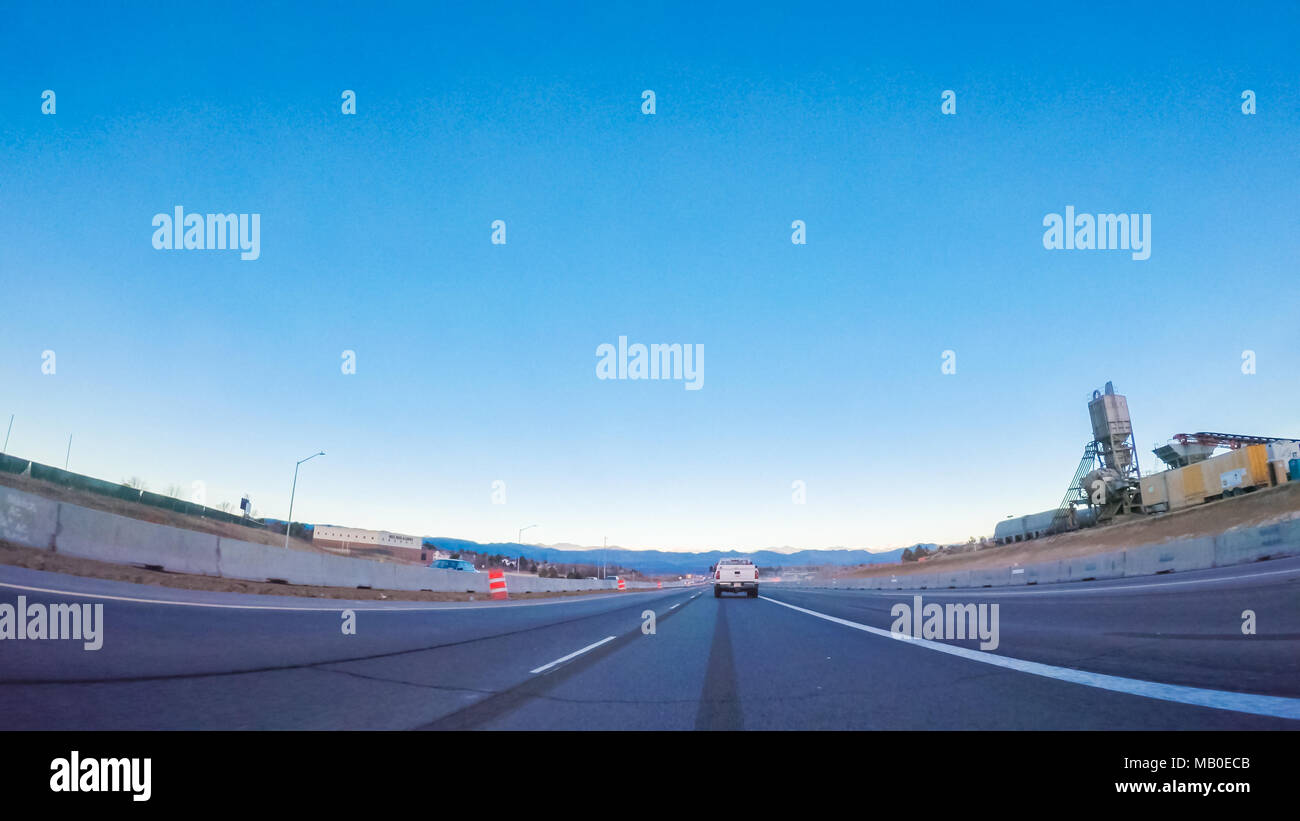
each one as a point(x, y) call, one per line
point(1108, 485)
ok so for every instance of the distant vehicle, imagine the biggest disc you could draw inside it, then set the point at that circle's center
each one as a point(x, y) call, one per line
point(455, 564)
point(735, 576)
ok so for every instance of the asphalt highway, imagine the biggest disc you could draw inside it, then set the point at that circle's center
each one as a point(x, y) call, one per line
point(1161, 652)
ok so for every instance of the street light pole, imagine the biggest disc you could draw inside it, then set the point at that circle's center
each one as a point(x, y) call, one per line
point(289, 524)
point(5, 449)
point(520, 541)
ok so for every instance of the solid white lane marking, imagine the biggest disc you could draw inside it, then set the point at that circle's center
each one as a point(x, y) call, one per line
point(675, 606)
point(345, 605)
point(1277, 706)
point(1051, 589)
point(574, 654)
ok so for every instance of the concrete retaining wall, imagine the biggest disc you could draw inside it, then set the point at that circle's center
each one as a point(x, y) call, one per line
point(94, 534)
point(1252, 544)
point(1185, 554)
point(34, 521)
point(1236, 546)
point(28, 520)
point(1042, 572)
point(1097, 566)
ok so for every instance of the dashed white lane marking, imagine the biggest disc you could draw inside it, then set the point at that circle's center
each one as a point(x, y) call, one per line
point(1277, 706)
point(574, 654)
point(343, 605)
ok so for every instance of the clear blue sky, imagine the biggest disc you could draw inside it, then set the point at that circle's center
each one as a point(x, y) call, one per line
point(477, 362)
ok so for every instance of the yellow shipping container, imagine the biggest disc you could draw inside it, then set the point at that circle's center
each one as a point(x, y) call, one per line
point(1178, 488)
point(1155, 491)
point(1192, 485)
point(1257, 456)
point(1252, 460)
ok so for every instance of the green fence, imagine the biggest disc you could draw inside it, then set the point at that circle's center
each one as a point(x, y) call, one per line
point(9, 464)
point(77, 481)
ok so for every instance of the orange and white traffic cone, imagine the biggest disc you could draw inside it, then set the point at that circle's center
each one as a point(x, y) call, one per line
point(622, 585)
point(497, 584)
point(661, 585)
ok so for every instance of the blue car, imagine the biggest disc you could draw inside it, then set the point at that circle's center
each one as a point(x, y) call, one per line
point(455, 564)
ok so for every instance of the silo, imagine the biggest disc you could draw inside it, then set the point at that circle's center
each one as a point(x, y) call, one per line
point(1112, 428)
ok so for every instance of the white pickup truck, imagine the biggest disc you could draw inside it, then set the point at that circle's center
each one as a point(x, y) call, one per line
point(736, 576)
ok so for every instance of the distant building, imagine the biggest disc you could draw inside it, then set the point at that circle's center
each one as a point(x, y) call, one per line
point(331, 536)
point(430, 554)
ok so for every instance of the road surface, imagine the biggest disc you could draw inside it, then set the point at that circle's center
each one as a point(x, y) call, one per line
point(1163, 652)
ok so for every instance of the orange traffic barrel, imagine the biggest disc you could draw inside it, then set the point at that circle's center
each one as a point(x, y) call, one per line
point(497, 584)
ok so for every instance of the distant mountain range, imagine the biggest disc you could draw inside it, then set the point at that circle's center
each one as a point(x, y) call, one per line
point(655, 562)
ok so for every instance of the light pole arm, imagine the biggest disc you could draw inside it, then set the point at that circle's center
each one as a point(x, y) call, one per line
point(288, 525)
point(519, 540)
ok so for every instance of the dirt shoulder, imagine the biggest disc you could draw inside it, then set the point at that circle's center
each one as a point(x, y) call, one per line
point(34, 559)
point(1253, 509)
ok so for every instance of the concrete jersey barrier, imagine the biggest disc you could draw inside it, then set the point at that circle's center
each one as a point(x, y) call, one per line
point(1236, 546)
point(35, 521)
